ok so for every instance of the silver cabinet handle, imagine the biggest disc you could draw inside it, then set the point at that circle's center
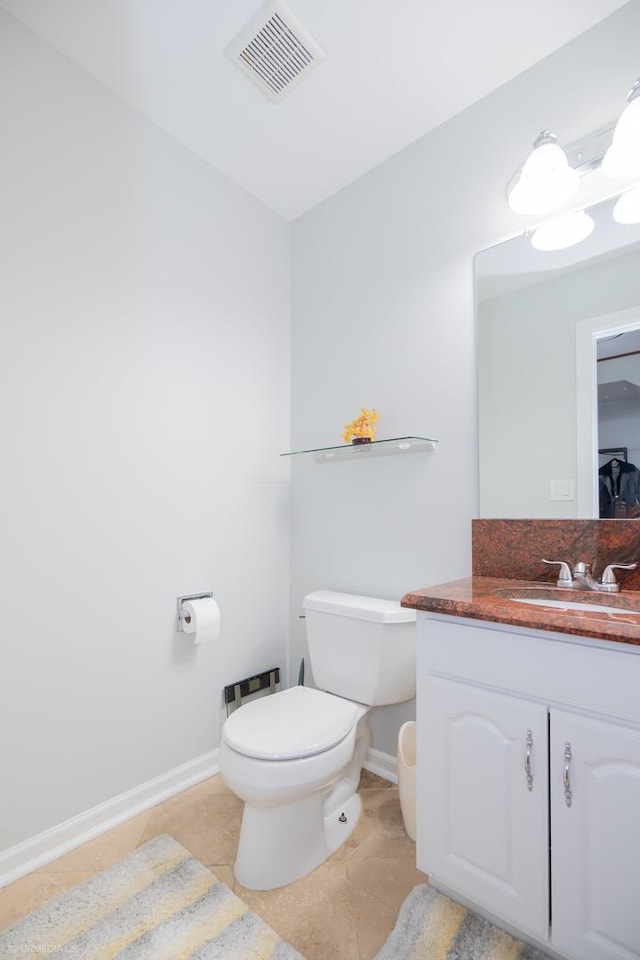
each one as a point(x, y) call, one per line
point(566, 778)
point(527, 760)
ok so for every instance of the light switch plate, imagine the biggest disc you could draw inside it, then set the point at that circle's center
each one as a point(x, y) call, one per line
point(562, 489)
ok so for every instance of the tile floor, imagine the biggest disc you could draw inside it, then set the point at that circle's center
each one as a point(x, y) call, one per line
point(343, 910)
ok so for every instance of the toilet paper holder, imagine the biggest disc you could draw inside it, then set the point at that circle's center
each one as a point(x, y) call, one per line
point(185, 618)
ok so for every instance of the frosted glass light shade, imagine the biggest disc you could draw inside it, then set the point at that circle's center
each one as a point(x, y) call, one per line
point(627, 208)
point(562, 232)
point(622, 159)
point(546, 180)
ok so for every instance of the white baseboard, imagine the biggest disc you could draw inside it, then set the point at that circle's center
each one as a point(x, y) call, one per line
point(47, 846)
point(382, 764)
point(37, 851)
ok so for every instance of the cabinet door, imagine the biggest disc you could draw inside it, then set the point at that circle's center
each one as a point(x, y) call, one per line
point(482, 822)
point(595, 838)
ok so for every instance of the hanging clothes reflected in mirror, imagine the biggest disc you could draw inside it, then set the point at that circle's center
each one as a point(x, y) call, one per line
point(619, 486)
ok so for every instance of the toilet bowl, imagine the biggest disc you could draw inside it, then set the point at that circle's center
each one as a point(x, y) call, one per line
point(294, 816)
point(295, 757)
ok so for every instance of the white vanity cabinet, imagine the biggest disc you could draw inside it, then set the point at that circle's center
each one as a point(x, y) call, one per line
point(528, 779)
point(474, 799)
point(595, 848)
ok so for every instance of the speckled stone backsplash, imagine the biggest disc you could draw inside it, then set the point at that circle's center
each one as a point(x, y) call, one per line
point(514, 548)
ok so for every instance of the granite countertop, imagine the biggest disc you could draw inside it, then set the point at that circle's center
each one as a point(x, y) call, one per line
point(487, 598)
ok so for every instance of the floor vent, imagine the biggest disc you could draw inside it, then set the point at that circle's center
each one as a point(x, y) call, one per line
point(241, 690)
point(275, 51)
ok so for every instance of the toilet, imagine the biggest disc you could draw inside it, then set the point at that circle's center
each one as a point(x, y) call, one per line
point(295, 756)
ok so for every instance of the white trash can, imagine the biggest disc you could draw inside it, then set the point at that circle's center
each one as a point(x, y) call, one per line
point(407, 775)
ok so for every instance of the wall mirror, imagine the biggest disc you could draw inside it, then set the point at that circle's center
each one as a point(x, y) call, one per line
point(556, 332)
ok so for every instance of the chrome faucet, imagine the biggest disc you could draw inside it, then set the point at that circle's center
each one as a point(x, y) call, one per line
point(580, 578)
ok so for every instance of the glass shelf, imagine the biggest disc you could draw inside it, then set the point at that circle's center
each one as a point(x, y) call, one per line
point(362, 451)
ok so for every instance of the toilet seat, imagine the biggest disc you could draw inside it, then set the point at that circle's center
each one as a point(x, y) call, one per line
point(289, 725)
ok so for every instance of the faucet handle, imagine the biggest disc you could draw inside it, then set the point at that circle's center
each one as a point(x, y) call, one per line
point(565, 578)
point(609, 576)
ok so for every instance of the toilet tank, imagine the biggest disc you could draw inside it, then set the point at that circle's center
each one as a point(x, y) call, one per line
point(361, 648)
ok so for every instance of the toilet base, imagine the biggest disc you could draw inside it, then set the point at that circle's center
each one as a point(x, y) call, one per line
point(281, 844)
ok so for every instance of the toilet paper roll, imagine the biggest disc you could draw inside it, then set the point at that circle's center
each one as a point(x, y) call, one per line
point(202, 618)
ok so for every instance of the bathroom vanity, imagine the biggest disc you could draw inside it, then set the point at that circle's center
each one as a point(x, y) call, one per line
point(528, 761)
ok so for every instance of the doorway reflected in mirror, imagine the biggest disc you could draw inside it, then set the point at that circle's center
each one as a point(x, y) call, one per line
point(618, 366)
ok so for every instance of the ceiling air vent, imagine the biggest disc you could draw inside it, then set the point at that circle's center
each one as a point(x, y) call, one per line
point(275, 50)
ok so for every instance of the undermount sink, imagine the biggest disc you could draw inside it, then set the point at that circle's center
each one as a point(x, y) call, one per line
point(573, 605)
point(616, 607)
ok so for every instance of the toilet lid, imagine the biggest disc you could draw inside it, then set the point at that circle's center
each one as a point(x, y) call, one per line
point(298, 722)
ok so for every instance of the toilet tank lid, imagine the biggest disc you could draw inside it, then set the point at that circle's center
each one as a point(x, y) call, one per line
point(361, 608)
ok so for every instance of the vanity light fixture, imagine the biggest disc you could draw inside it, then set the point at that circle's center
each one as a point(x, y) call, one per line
point(546, 180)
point(627, 208)
point(563, 231)
point(550, 177)
point(622, 159)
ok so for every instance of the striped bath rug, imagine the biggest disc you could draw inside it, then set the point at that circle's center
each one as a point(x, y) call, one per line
point(432, 927)
point(159, 903)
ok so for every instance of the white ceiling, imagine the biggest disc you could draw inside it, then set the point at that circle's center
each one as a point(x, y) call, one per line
point(393, 71)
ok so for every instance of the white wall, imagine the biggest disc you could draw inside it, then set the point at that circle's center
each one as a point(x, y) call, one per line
point(144, 378)
point(144, 396)
point(383, 314)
